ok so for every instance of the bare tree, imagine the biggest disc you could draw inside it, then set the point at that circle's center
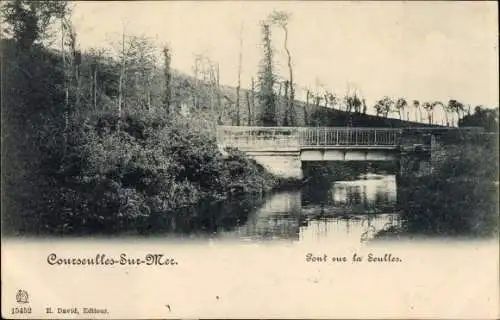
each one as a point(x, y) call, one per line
point(325, 95)
point(379, 108)
point(282, 18)
point(253, 98)
point(96, 58)
point(416, 106)
point(167, 72)
point(267, 99)
point(249, 120)
point(384, 106)
point(306, 107)
point(122, 75)
point(443, 107)
point(429, 107)
point(353, 102)
point(286, 120)
point(457, 107)
point(400, 106)
point(206, 86)
point(239, 77)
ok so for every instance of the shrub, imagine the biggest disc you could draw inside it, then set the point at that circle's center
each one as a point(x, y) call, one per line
point(460, 198)
point(117, 174)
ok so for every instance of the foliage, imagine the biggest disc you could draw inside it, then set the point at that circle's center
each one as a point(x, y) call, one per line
point(384, 106)
point(266, 80)
point(400, 106)
point(459, 198)
point(28, 22)
point(281, 18)
point(353, 102)
point(482, 117)
point(94, 171)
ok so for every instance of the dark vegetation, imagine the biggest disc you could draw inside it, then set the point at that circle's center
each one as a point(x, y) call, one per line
point(110, 173)
point(460, 197)
point(95, 144)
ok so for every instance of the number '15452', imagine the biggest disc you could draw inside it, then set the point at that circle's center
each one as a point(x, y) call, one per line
point(20, 310)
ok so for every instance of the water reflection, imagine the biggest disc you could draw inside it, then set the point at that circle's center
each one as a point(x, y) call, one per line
point(278, 218)
point(338, 211)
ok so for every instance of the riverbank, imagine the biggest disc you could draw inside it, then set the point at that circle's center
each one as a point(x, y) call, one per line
point(118, 174)
point(460, 197)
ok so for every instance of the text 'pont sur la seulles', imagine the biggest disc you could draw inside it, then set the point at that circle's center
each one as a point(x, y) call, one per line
point(355, 258)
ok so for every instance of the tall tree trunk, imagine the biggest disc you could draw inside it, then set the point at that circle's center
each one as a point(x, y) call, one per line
point(148, 93)
point(95, 88)
point(290, 83)
point(66, 87)
point(167, 99)
point(65, 67)
point(249, 121)
point(280, 103)
point(239, 78)
point(219, 95)
point(78, 84)
point(196, 86)
point(122, 78)
point(253, 100)
point(326, 100)
point(286, 120)
point(91, 84)
point(306, 107)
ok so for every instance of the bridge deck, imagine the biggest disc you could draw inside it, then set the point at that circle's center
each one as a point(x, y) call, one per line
point(263, 138)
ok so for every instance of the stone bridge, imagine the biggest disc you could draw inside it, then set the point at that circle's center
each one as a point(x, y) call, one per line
point(283, 149)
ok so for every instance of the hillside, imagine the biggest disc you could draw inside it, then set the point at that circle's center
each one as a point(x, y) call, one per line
point(316, 115)
point(197, 100)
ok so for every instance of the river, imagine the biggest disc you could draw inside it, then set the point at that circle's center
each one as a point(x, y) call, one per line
point(343, 211)
point(352, 210)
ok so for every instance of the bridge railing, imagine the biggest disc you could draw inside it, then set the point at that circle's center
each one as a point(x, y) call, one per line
point(330, 136)
point(296, 137)
point(258, 137)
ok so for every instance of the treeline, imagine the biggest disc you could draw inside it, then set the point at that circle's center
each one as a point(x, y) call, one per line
point(96, 142)
point(279, 106)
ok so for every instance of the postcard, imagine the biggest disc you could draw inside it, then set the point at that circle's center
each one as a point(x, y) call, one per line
point(249, 159)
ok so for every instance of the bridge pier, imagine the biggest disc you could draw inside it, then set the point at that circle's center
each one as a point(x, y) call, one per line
point(282, 164)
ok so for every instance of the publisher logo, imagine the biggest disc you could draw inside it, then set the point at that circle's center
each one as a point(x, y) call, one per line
point(22, 296)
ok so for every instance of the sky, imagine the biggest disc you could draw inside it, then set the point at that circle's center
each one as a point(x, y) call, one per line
point(417, 50)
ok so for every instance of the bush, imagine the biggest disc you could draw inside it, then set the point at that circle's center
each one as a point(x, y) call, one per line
point(118, 174)
point(460, 198)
